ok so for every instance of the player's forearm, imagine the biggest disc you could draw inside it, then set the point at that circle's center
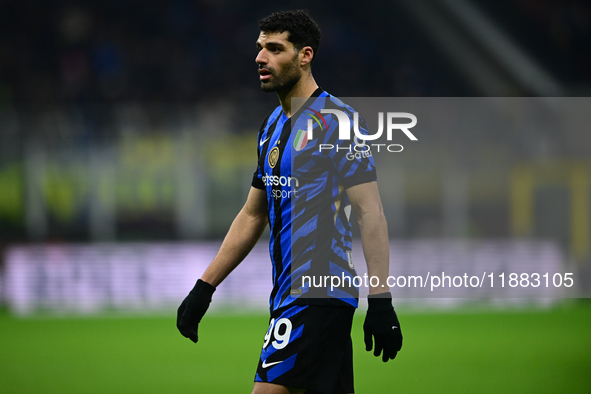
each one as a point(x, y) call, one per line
point(374, 239)
point(243, 235)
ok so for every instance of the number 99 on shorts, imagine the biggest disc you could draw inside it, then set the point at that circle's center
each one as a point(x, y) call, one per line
point(280, 332)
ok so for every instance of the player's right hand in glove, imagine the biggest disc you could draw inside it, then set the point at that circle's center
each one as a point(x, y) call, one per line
point(382, 324)
point(193, 308)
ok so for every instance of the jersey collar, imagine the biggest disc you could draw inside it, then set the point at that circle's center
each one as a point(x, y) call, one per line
point(310, 100)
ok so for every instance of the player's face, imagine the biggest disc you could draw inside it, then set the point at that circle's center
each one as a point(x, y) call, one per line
point(278, 62)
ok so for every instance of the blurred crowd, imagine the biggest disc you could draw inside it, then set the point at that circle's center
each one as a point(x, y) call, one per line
point(64, 51)
point(557, 33)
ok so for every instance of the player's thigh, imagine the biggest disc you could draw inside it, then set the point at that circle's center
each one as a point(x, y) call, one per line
point(270, 388)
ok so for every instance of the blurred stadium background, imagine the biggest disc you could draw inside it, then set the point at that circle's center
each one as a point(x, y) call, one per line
point(127, 135)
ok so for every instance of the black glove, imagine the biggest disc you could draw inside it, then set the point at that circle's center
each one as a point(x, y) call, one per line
point(193, 308)
point(382, 323)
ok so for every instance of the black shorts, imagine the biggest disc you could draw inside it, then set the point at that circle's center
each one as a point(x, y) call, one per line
point(308, 346)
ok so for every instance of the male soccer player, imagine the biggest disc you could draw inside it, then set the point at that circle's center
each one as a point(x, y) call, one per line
point(305, 194)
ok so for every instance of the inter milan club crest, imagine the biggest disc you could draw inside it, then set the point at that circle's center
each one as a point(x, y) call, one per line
point(273, 156)
point(300, 140)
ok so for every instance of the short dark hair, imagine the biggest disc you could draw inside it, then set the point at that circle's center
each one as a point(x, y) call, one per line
point(302, 30)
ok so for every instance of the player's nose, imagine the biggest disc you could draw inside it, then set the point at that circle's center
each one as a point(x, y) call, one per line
point(261, 57)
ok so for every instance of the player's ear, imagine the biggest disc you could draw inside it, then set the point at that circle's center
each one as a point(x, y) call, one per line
point(306, 55)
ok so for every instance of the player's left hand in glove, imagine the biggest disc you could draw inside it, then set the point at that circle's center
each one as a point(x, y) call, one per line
point(193, 308)
point(382, 324)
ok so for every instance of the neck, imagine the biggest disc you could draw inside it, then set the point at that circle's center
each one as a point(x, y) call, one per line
point(303, 88)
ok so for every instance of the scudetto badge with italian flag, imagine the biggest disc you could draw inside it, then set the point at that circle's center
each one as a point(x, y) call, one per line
point(300, 140)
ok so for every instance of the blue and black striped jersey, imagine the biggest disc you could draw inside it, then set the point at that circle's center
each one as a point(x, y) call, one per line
point(305, 180)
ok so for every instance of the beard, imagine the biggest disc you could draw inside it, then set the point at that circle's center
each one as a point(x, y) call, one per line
point(285, 79)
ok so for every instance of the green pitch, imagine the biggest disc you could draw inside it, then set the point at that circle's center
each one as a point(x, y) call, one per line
point(535, 351)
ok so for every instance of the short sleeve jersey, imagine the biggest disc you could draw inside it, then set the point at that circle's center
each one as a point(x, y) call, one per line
point(305, 180)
